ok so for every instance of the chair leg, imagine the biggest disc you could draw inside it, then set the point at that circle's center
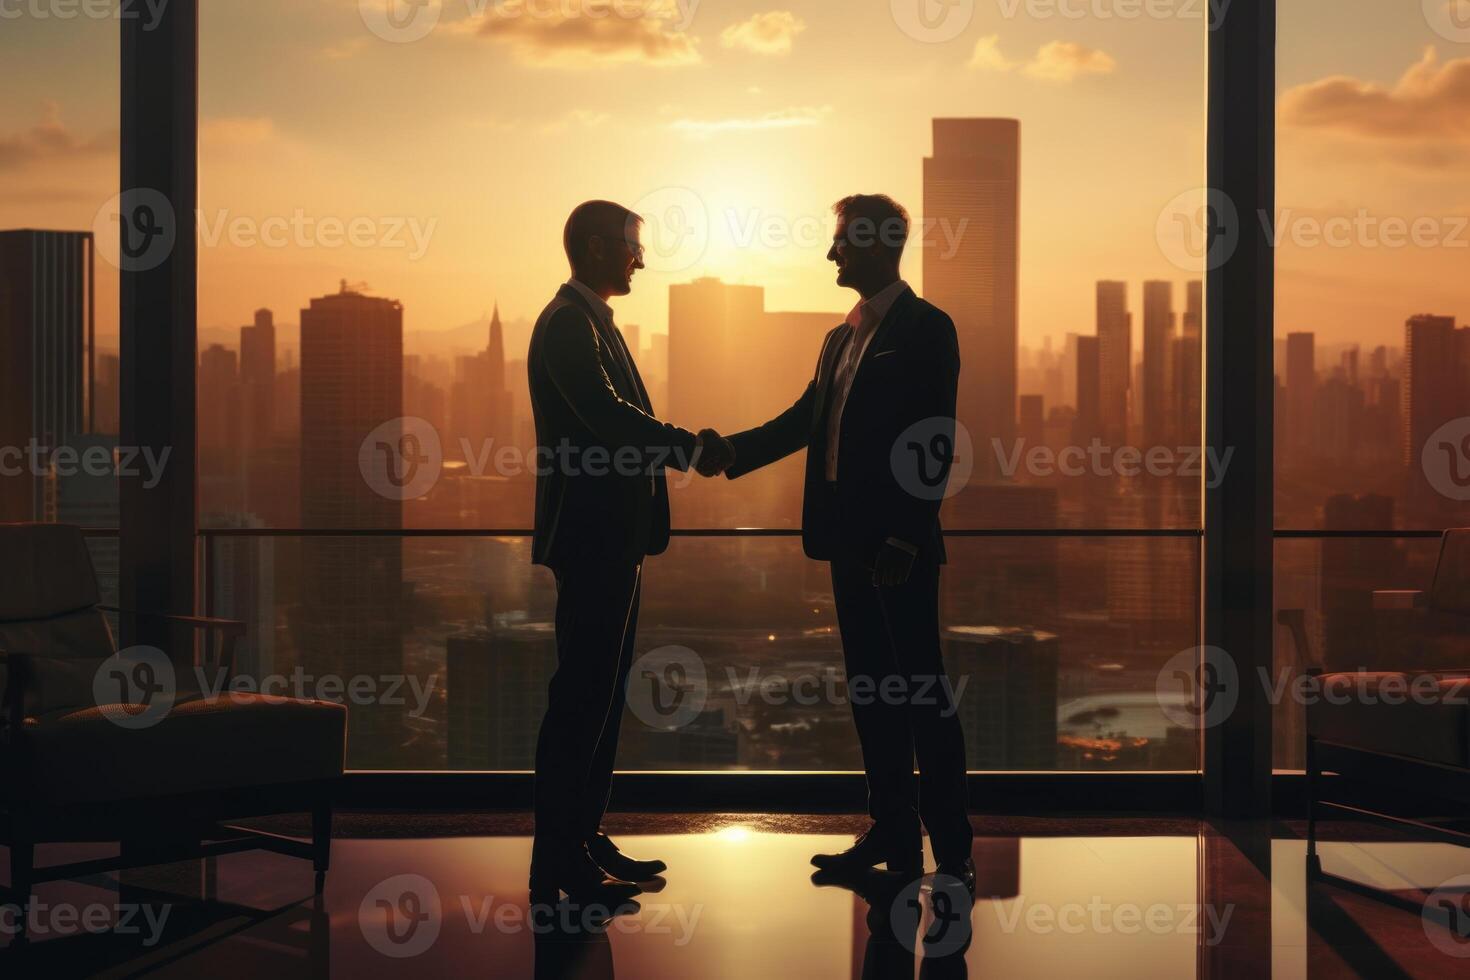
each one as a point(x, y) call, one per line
point(321, 838)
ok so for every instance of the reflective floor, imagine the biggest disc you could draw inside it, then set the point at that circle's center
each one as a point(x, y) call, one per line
point(1118, 899)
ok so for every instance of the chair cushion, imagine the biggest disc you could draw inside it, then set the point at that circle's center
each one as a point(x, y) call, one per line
point(202, 744)
point(45, 570)
point(1423, 716)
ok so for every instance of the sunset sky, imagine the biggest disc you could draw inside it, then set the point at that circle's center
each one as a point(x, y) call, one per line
point(760, 113)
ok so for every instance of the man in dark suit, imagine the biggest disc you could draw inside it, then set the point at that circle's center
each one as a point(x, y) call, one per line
point(602, 504)
point(878, 423)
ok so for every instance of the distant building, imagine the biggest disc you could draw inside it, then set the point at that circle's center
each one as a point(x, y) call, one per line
point(46, 322)
point(971, 265)
point(496, 686)
point(1115, 360)
point(352, 607)
point(1008, 706)
point(1158, 342)
point(1301, 390)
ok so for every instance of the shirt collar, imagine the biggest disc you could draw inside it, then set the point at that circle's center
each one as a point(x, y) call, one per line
point(877, 307)
point(599, 305)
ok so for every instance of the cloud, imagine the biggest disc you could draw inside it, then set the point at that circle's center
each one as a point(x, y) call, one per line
point(988, 55)
point(48, 140)
point(1430, 102)
point(792, 118)
point(1055, 61)
point(772, 32)
point(1062, 61)
point(596, 33)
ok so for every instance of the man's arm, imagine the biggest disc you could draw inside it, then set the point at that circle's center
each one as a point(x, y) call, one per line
point(777, 439)
point(574, 361)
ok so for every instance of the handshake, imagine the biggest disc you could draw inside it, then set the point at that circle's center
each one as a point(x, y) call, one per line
point(713, 453)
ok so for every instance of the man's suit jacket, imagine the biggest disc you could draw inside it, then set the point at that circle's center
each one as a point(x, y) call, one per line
point(586, 394)
point(908, 374)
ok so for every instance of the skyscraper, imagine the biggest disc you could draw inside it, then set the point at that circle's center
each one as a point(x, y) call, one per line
point(971, 266)
point(1431, 393)
point(352, 587)
point(1115, 359)
point(1158, 336)
point(1301, 390)
point(713, 328)
point(46, 327)
point(1088, 425)
point(258, 380)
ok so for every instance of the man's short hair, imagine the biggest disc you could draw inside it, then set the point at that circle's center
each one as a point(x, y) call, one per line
point(604, 218)
point(875, 219)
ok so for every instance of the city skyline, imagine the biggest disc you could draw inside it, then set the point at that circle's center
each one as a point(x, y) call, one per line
point(1107, 153)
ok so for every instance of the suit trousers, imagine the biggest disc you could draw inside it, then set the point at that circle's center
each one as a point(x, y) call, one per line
point(596, 621)
point(902, 703)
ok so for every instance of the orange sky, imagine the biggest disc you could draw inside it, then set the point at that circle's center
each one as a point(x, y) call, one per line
point(749, 120)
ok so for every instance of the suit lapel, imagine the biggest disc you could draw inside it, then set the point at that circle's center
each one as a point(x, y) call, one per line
point(620, 367)
point(897, 313)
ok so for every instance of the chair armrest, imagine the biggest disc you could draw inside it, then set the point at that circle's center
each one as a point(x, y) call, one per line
point(1295, 621)
point(230, 630)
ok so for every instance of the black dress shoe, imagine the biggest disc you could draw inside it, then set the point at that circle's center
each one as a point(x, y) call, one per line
point(902, 851)
point(581, 878)
point(619, 865)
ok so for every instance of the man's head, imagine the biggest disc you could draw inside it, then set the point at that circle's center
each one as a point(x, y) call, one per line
point(603, 246)
point(867, 246)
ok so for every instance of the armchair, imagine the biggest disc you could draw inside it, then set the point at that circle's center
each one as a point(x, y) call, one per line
point(1400, 727)
point(163, 790)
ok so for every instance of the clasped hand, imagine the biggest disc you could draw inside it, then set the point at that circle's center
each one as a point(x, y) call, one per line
point(715, 453)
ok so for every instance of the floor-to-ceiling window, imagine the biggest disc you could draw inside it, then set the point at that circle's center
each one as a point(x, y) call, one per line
point(1372, 325)
point(382, 191)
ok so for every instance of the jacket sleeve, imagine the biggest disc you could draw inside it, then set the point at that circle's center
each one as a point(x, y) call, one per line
point(573, 355)
point(775, 440)
point(930, 388)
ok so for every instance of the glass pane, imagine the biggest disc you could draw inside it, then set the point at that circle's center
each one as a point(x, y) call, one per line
point(1328, 586)
point(1372, 347)
point(1057, 650)
point(59, 453)
point(1051, 165)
